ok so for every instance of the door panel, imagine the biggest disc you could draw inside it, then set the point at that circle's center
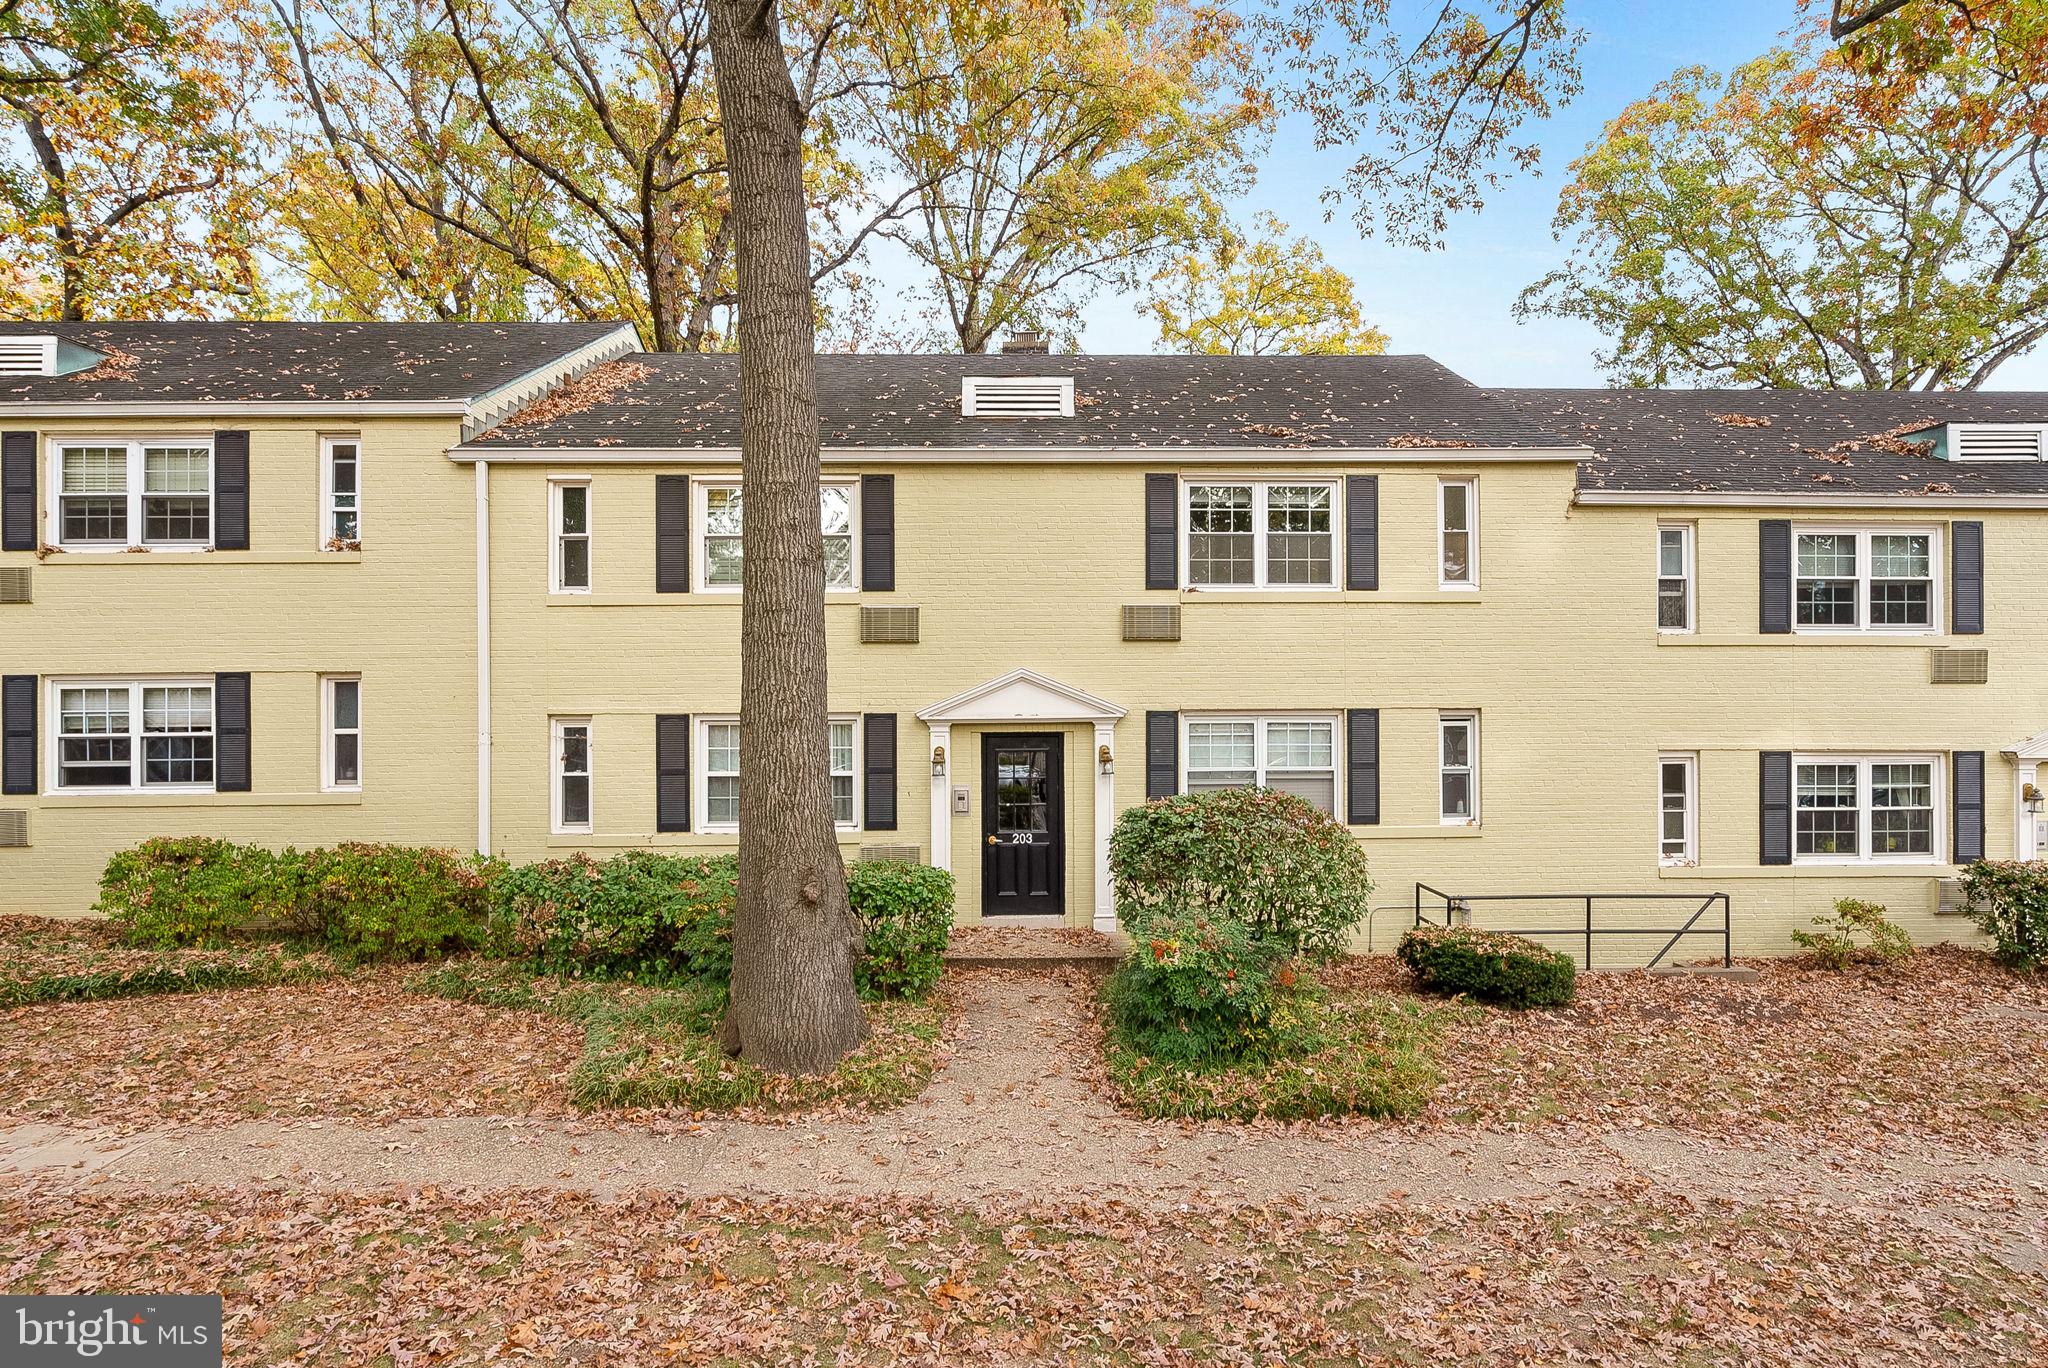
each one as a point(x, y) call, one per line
point(1023, 824)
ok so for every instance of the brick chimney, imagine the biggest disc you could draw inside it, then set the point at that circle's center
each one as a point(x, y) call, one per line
point(1026, 344)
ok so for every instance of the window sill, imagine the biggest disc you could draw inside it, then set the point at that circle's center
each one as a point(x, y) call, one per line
point(1920, 640)
point(1269, 597)
point(694, 599)
point(53, 801)
point(672, 840)
point(1808, 871)
point(201, 557)
point(1437, 832)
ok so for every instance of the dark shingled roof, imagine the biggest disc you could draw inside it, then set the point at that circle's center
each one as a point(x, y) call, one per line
point(302, 362)
point(670, 402)
point(1816, 442)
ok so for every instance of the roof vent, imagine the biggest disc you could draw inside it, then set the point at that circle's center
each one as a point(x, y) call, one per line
point(1985, 442)
point(1017, 396)
point(28, 355)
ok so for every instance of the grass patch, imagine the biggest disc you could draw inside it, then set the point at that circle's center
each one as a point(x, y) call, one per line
point(1374, 1056)
point(46, 960)
point(657, 1047)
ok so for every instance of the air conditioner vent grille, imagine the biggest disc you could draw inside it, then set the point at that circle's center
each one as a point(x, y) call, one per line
point(13, 827)
point(895, 625)
point(1151, 622)
point(16, 584)
point(1950, 665)
point(892, 854)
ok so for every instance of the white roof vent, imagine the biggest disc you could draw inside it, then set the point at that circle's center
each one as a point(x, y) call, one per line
point(2000, 442)
point(1017, 396)
point(28, 355)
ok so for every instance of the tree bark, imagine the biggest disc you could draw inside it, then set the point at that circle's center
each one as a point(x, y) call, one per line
point(793, 1007)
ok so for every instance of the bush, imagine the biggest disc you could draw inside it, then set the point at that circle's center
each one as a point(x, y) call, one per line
point(638, 915)
point(1258, 857)
point(1834, 945)
point(1197, 989)
point(1487, 965)
point(907, 913)
point(182, 890)
point(2009, 903)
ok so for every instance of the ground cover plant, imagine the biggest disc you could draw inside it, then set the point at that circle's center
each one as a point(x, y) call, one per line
point(48, 960)
point(1487, 966)
point(1858, 931)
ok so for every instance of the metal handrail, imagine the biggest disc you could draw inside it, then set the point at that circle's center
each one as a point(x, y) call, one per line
point(1462, 902)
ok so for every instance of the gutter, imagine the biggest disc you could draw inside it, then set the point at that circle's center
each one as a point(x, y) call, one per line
point(253, 408)
point(483, 657)
point(1064, 455)
point(1633, 498)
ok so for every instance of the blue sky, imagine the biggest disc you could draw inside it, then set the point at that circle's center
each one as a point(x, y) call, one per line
point(1455, 304)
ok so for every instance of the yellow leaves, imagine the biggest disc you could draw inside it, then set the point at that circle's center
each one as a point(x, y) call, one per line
point(1263, 297)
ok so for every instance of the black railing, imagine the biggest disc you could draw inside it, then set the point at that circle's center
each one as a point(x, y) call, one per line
point(1453, 903)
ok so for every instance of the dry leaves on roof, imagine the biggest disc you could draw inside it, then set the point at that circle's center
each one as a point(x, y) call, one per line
point(1742, 420)
point(603, 384)
point(117, 365)
point(1413, 441)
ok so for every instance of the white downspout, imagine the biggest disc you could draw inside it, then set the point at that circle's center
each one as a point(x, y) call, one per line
point(483, 657)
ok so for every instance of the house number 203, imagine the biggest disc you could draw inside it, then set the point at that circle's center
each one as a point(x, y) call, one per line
point(1023, 838)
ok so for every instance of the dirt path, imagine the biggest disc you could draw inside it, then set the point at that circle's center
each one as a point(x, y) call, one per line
point(1012, 1114)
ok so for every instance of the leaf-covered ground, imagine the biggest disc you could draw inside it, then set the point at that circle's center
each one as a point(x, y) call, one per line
point(52, 960)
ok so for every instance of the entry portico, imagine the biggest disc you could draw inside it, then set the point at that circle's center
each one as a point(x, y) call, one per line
point(2030, 807)
point(1013, 705)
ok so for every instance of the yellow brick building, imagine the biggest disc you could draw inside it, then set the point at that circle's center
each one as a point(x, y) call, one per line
point(1522, 642)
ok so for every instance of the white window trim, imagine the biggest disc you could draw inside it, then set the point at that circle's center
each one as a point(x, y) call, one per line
point(700, 774)
point(700, 495)
point(53, 732)
point(1937, 582)
point(1691, 854)
point(1470, 584)
point(1689, 537)
point(325, 529)
point(556, 726)
point(53, 469)
point(328, 731)
point(1937, 835)
point(556, 484)
point(1260, 767)
point(1259, 485)
point(1445, 719)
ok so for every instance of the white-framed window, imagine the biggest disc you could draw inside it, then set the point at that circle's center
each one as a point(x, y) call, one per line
point(1457, 534)
point(1296, 754)
point(1675, 577)
point(1260, 534)
point(341, 493)
point(134, 735)
point(341, 715)
point(1866, 808)
point(1866, 579)
point(111, 494)
point(569, 536)
point(721, 520)
point(1458, 767)
point(718, 770)
point(1678, 809)
point(571, 806)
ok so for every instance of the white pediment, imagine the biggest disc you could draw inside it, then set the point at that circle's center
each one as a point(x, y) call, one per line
point(1022, 696)
point(2035, 748)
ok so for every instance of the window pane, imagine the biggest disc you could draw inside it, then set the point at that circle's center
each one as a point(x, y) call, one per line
point(1457, 557)
point(177, 470)
point(1222, 746)
point(722, 560)
point(1671, 605)
point(575, 750)
point(842, 799)
point(345, 758)
point(575, 562)
point(839, 562)
point(346, 525)
point(722, 800)
point(1298, 540)
point(575, 508)
point(1902, 809)
point(1299, 745)
point(842, 747)
point(575, 800)
point(1457, 508)
point(1319, 789)
point(93, 748)
point(344, 472)
point(1671, 552)
point(722, 512)
point(1825, 818)
point(95, 470)
point(95, 519)
point(1899, 557)
point(835, 509)
point(1220, 537)
point(1457, 795)
point(175, 519)
point(1897, 604)
point(1827, 555)
point(347, 699)
point(1826, 603)
point(1298, 508)
point(1457, 744)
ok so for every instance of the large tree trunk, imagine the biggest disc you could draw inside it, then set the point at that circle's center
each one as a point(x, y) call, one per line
point(793, 1004)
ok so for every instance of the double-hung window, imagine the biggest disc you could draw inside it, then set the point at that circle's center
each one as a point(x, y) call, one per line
point(569, 543)
point(571, 774)
point(341, 493)
point(1674, 578)
point(341, 705)
point(1865, 579)
point(1297, 755)
point(134, 735)
point(719, 763)
point(115, 494)
point(721, 513)
point(1457, 534)
point(1865, 808)
point(1678, 821)
point(1262, 535)
point(1458, 767)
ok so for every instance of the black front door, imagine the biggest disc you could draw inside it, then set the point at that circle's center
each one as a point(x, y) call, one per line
point(1023, 825)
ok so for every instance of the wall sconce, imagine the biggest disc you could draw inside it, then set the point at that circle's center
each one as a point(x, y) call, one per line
point(1102, 759)
point(938, 762)
point(2032, 796)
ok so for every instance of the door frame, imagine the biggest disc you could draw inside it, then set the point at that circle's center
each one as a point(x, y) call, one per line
point(1056, 813)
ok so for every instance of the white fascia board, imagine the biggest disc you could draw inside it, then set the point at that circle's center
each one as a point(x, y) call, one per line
point(243, 408)
point(1064, 455)
point(1634, 498)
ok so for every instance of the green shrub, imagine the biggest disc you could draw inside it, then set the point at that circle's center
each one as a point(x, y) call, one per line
point(639, 915)
point(907, 913)
point(1197, 989)
point(182, 890)
point(1487, 965)
point(1834, 945)
point(2009, 903)
point(1267, 860)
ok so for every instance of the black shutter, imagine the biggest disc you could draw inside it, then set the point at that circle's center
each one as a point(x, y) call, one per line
point(1774, 808)
point(1362, 736)
point(671, 534)
point(17, 491)
point(18, 734)
point(672, 772)
point(878, 762)
point(1162, 532)
point(1966, 768)
point(1162, 754)
point(1774, 591)
point(877, 533)
point(1362, 532)
point(231, 491)
point(1966, 547)
point(231, 732)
